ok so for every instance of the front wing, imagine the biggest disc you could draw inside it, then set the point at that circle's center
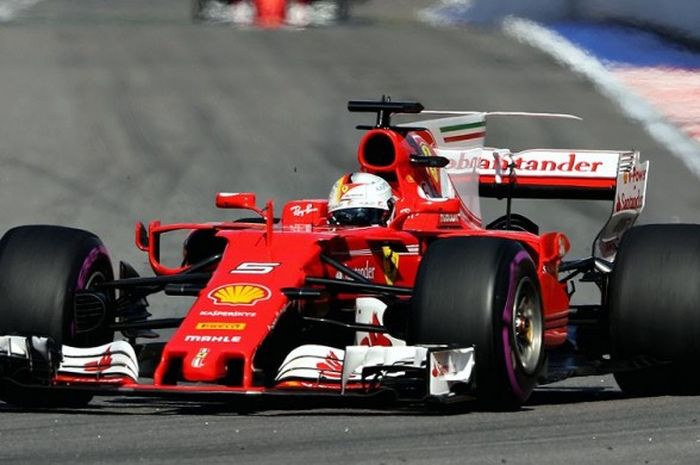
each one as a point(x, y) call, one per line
point(411, 373)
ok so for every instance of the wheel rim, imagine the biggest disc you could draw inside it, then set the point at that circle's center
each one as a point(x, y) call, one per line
point(95, 278)
point(526, 326)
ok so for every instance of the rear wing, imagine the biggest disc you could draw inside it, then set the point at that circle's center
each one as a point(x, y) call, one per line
point(551, 173)
point(475, 171)
point(618, 176)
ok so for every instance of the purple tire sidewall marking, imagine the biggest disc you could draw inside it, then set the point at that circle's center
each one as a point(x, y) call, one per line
point(95, 254)
point(507, 319)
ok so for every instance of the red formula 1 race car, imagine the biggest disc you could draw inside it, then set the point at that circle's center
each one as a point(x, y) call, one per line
point(272, 13)
point(392, 286)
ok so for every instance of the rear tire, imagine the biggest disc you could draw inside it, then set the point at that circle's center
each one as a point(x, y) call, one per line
point(41, 267)
point(483, 292)
point(209, 10)
point(198, 9)
point(655, 308)
point(343, 9)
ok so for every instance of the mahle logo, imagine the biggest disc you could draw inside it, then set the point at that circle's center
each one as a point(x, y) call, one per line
point(239, 294)
point(215, 339)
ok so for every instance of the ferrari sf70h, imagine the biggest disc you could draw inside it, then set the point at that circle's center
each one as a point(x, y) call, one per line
point(431, 306)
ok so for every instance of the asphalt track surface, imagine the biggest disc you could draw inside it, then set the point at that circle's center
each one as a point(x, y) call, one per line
point(112, 112)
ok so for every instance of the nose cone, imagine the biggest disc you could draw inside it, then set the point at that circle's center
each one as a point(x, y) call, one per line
point(270, 12)
point(220, 335)
point(212, 361)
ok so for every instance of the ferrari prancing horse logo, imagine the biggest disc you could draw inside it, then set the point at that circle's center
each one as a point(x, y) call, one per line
point(198, 360)
point(390, 264)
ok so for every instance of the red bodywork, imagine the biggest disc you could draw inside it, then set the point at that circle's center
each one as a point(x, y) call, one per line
point(272, 13)
point(239, 307)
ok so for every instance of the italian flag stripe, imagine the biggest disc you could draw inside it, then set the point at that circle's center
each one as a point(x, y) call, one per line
point(474, 135)
point(462, 127)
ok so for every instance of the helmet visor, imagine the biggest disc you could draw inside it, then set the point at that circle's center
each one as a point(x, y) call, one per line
point(359, 217)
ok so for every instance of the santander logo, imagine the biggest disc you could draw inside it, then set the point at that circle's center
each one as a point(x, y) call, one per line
point(572, 163)
point(624, 202)
point(540, 163)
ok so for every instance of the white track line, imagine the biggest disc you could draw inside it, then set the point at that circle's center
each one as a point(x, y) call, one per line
point(10, 8)
point(446, 12)
point(680, 144)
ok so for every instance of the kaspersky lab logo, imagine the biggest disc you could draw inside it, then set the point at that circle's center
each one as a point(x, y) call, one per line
point(239, 294)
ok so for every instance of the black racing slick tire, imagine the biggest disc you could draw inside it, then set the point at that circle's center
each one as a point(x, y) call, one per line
point(202, 9)
point(41, 267)
point(654, 302)
point(483, 292)
point(343, 9)
point(198, 9)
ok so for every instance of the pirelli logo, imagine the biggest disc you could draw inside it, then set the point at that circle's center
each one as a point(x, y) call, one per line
point(222, 326)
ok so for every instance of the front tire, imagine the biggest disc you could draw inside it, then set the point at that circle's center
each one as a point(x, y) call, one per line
point(483, 292)
point(41, 267)
point(655, 308)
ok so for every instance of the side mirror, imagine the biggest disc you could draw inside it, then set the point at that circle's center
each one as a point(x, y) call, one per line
point(244, 200)
point(449, 206)
point(141, 236)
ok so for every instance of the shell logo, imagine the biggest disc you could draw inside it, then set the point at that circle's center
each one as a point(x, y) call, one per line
point(239, 294)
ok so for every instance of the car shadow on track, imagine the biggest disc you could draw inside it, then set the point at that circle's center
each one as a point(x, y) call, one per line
point(547, 395)
point(572, 395)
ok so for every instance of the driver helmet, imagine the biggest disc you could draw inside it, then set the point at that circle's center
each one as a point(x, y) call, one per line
point(360, 199)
